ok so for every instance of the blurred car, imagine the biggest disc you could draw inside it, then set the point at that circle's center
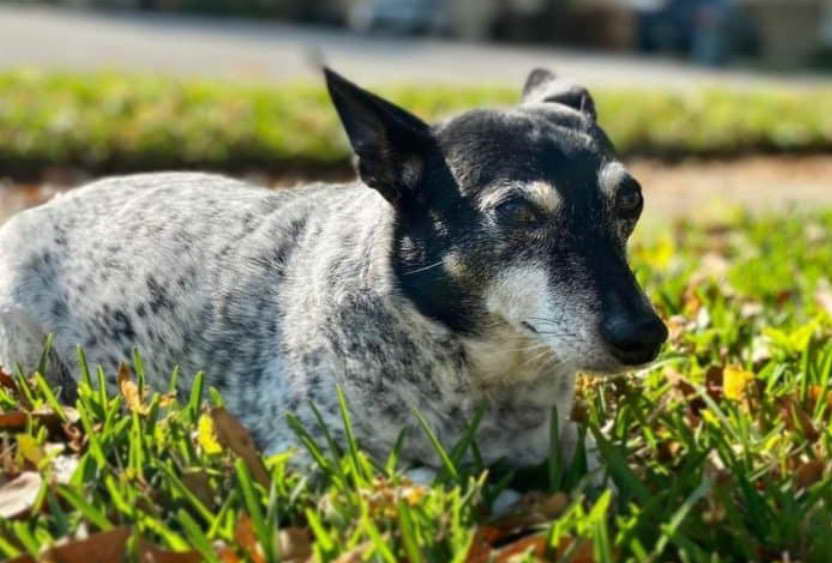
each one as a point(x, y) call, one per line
point(398, 16)
point(710, 31)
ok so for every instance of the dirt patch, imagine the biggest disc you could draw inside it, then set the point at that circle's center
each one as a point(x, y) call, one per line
point(690, 187)
point(765, 183)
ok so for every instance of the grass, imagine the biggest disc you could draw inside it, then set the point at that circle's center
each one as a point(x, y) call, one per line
point(115, 122)
point(720, 452)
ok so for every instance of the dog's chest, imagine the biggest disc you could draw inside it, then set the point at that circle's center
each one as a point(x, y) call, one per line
point(521, 385)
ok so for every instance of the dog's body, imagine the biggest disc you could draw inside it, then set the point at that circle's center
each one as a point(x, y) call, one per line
point(440, 289)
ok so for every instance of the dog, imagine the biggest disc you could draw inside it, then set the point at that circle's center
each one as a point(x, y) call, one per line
point(475, 266)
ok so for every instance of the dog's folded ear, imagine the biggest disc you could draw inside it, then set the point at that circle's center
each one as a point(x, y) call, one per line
point(543, 86)
point(390, 143)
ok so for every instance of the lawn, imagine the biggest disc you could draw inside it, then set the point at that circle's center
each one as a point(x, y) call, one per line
point(110, 122)
point(720, 452)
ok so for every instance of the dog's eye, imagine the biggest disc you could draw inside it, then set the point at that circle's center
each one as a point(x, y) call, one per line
point(629, 200)
point(517, 212)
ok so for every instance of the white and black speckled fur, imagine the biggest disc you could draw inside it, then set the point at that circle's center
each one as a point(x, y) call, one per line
point(478, 270)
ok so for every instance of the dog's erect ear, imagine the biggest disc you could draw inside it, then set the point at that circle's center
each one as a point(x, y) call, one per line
point(389, 142)
point(542, 86)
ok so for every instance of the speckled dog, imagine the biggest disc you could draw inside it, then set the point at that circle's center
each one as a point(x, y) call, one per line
point(477, 261)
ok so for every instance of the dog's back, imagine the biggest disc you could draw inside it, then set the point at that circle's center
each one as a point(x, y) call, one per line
point(187, 266)
point(201, 273)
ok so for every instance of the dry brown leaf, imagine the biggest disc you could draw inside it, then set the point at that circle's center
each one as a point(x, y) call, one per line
point(74, 437)
point(110, 546)
point(199, 484)
point(149, 553)
point(13, 421)
point(795, 418)
point(481, 548)
point(809, 473)
point(295, 544)
point(356, 554)
point(234, 436)
point(226, 554)
point(18, 495)
point(246, 538)
point(107, 546)
point(532, 509)
point(536, 546)
point(581, 553)
point(714, 378)
point(17, 420)
point(130, 391)
point(7, 381)
point(8, 466)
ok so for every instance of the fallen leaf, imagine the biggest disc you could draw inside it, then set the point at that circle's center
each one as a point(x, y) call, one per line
point(534, 546)
point(19, 495)
point(7, 380)
point(226, 554)
point(357, 554)
point(796, 419)
point(13, 421)
point(246, 538)
point(582, 552)
point(234, 436)
point(74, 437)
point(149, 553)
point(528, 513)
point(809, 473)
point(107, 546)
point(17, 420)
point(482, 545)
point(714, 378)
point(110, 546)
point(199, 484)
point(295, 544)
point(735, 381)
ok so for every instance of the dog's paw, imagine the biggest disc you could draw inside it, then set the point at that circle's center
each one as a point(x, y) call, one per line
point(597, 474)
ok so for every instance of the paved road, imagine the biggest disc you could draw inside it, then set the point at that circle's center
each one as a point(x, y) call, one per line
point(264, 51)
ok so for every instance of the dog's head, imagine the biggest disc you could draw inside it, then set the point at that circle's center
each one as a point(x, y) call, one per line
point(515, 218)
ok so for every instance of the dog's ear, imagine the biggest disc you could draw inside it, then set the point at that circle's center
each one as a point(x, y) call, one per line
point(390, 143)
point(542, 86)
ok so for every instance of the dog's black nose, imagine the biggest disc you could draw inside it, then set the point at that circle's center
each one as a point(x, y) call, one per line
point(634, 341)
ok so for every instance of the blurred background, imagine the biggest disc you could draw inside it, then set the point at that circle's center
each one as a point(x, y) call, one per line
point(709, 100)
point(781, 33)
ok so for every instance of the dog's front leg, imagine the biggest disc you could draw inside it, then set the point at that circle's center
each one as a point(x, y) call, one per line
point(569, 437)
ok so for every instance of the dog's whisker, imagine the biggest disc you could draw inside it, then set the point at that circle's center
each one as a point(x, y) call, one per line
point(531, 348)
point(424, 268)
point(536, 358)
point(543, 320)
